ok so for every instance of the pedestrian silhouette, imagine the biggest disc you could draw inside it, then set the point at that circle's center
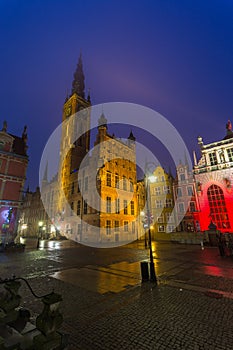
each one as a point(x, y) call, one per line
point(221, 244)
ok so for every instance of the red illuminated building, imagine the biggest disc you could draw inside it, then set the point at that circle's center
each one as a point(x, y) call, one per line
point(214, 182)
point(13, 166)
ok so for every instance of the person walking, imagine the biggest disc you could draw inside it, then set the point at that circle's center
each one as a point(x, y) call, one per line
point(230, 244)
point(221, 244)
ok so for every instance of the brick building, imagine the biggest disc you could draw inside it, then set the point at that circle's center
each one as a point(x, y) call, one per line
point(13, 166)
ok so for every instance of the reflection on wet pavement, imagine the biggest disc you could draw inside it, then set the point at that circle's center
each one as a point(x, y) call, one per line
point(113, 279)
point(217, 271)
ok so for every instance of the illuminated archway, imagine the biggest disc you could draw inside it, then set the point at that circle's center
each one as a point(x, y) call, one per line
point(218, 209)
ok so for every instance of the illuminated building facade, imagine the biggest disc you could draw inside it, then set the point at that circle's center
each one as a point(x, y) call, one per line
point(109, 216)
point(186, 202)
point(31, 214)
point(162, 202)
point(13, 166)
point(141, 201)
point(34, 220)
point(214, 180)
point(117, 185)
point(115, 214)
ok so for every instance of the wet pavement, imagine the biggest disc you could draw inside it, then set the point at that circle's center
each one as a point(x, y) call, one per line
point(105, 306)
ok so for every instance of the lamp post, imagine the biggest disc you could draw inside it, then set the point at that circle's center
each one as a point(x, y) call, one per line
point(40, 224)
point(144, 223)
point(150, 178)
point(145, 239)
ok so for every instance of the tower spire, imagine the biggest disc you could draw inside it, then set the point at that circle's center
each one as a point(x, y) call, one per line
point(45, 177)
point(78, 85)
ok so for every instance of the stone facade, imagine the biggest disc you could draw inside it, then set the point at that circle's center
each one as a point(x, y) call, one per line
point(186, 202)
point(162, 202)
point(214, 180)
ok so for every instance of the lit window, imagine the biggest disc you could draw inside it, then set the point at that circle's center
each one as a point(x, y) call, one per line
point(116, 224)
point(179, 192)
point(125, 207)
point(157, 191)
point(218, 209)
point(126, 226)
point(117, 181)
point(181, 207)
point(131, 185)
point(117, 204)
point(108, 205)
point(159, 203)
point(169, 216)
point(170, 228)
point(190, 191)
point(182, 177)
point(230, 154)
point(109, 179)
point(108, 227)
point(132, 207)
point(213, 158)
point(166, 189)
point(160, 219)
point(161, 228)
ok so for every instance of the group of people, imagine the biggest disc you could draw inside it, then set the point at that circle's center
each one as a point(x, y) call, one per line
point(225, 244)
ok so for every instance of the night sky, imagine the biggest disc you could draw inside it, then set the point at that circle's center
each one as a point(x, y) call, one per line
point(175, 57)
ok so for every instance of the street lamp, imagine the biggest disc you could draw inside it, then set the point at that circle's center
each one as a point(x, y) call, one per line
point(144, 226)
point(148, 179)
point(40, 224)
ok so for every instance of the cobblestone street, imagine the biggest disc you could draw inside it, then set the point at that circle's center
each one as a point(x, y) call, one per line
point(105, 306)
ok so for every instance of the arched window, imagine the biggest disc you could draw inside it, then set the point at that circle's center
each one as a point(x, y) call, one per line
point(218, 209)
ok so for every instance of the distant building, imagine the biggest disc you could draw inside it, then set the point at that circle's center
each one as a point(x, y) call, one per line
point(32, 218)
point(13, 166)
point(214, 182)
point(162, 202)
point(141, 201)
point(185, 195)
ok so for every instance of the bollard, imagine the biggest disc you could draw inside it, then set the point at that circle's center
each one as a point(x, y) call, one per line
point(144, 271)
